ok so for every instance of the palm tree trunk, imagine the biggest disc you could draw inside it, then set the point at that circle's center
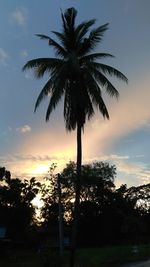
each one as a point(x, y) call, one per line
point(77, 196)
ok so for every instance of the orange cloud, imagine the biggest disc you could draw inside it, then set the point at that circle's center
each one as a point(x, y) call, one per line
point(131, 113)
point(24, 129)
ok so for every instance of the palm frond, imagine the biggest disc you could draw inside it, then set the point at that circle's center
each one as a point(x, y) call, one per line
point(97, 34)
point(61, 37)
point(100, 78)
point(70, 15)
point(55, 98)
point(69, 114)
point(60, 51)
point(108, 70)
point(42, 65)
point(68, 20)
point(50, 62)
point(82, 29)
point(94, 56)
point(103, 108)
point(42, 36)
point(110, 89)
point(58, 89)
point(44, 93)
point(65, 31)
point(94, 38)
point(95, 93)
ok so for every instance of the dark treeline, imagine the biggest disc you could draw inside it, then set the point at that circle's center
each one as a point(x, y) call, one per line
point(107, 215)
point(17, 214)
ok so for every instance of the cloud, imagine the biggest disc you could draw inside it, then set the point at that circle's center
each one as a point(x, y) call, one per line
point(138, 170)
point(29, 157)
point(112, 158)
point(28, 76)
point(20, 16)
point(116, 157)
point(128, 171)
point(24, 54)
point(129, 167)
point(130, 114)
point(3, 57)
point(55, 157)
point(27, 165)
point(24, 129)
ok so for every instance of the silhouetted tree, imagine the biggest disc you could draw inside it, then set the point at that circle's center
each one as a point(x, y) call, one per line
point(97, 185)
point(135, 205)
point(4, 174)
point(106, 215)
point(78, 77)
point(16, 209)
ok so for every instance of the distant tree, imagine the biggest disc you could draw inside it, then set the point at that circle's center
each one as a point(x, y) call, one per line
point(97, 184)
point(4, 174)
point(140, 196)
point(106, 215)
point(95, 178)
point(115, 215)
point(78, 77)
point(135, 206)
point(16, 209)
point(49, 196)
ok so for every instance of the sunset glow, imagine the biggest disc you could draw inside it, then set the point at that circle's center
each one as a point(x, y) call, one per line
point(39, 169)
point(37, 202)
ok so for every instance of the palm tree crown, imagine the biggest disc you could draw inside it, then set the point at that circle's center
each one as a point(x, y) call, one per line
point(75, 73)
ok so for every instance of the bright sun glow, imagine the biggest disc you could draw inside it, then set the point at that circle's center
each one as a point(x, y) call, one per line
point(37, 202)
point(39, 170)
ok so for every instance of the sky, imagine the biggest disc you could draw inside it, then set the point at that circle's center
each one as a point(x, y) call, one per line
point(29, 145)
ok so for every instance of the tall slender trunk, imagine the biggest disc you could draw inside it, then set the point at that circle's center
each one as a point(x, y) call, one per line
point(61, 240)
point(77, 196)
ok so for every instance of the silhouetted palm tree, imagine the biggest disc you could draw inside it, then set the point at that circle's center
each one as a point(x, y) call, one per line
point(77, 77)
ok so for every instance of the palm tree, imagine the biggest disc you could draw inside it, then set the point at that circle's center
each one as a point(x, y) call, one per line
point(77, 77)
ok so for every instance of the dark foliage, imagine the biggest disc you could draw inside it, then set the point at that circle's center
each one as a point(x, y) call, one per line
point(107, 215)
point(16, 209)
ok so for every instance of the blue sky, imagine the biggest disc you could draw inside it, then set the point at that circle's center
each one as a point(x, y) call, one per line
point(28, 145)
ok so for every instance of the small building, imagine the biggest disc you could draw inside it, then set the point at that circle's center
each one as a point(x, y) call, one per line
point(2, 233)
point(2, 241)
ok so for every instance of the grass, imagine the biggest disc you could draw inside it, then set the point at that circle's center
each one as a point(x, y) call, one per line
point(20, 258)
point(113, 256)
